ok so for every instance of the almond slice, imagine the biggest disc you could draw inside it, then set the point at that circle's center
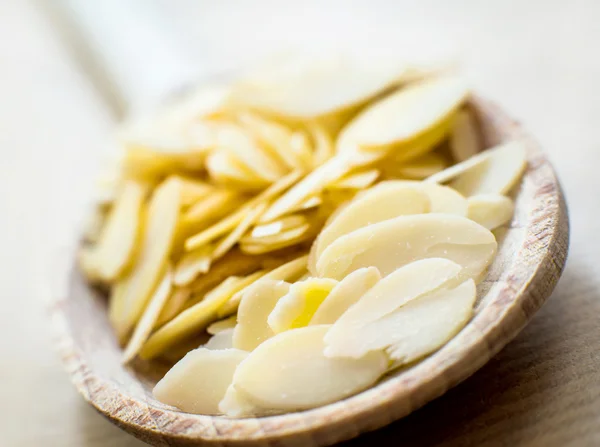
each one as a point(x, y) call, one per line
point(419, 168)
point(197, 383)
point(324, 147)
point(490, 210)
point(149, 317)
point(194, 318)
point(398, 288)
point(393, 243)
point(464, 139)
point(257, 302)
point(370, 207)
point(232, 220)
point(192, 190)
point(403, 116)
point(344, 294)
point(359, 180)
point(115, 249)
point(222, 325)
point(278, 226)
point(298, 306)
point(413, 330)
point(192, 264)
point(494, 171)
point(210, 208)
point(289, 271)
point(227, 171)
point(173, 306)
point(279, 240)
point(220, 340)
point(310, 378)
point(160, 224)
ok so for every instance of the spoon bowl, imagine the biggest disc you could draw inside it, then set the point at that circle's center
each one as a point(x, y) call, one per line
point(531, 256)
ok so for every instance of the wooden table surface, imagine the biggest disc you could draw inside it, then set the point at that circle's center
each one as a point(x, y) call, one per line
point(538, 58)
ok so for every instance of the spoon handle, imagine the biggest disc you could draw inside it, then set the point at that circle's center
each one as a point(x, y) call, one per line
point(131, 46)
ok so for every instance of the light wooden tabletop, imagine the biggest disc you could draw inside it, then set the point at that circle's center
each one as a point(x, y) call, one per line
point(538, 58)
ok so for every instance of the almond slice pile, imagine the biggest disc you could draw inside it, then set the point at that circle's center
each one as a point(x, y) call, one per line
point(324, 222)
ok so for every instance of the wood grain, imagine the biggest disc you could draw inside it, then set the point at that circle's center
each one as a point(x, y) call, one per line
point(529, 262)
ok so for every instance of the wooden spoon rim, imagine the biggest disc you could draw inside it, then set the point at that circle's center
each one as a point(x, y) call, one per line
point(520, 293)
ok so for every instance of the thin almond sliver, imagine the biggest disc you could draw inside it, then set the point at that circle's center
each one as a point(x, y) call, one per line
point(149, 317)
point(159, 232)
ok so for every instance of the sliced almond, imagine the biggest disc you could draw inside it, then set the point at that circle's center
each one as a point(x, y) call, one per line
point(443, 199)
point(195, 318)
point(393, 243)
point(370, 207)
point(174, 305)
point(115, 249)
point(390, 293)
point(494, 171)
point(415, 329)
point(422, 167)
point(344, 294)
point(298, 306)
point(160, 224)
point(197, 383)
point(149, 317)
point(234, 140)
point(236, 405)
point(279, 240)
point(226, 170)
point(257, 302)
point(222, 325)
point(289, 271)
point(464, 139)
point(310, 378)
point(308, 89)
point(359, 180)
point(324, 147)
point(403, 116)
point(278, 226)
point(192, 264)
point(309, 186)
point(233, 238)
point(232, 220)
point(211, 207)
point(220, 340)
point(192, 190)
point(490, 210)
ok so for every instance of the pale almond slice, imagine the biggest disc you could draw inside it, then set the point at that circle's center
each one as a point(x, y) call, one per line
point(443, 199)
point(359, 180)
point(160, 224)
point(415, 329)
point(233, 139)
point(324, 147)
point(257, 302)
point(149, 317)
point(210, 208)
point(275, 138)
point(283, 239)
point(301, 89)
point(494, 171)
point(236, 405)
point(115, 249)
point(310, 185)
point(197, 383)
point(192, 190)
point(221, 325)
point(194, 318)
point(152, 160)
point(370, 207)
point(227, 171)
point(300, 146)
point(395, 290)
point(173, 306)
point(192, 264)
point(290, 271)
point(464, 138)
point(233, 238)
point(310, 378)
point(422, 167)
point(403, 116)
point(393, 243)
point(298, 306)
point(345, 293)
point(231, 221)
point(220, 340)
point(278, 226)
point(490, 210)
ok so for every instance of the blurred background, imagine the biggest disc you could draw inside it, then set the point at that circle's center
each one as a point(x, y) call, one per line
point(70, 69)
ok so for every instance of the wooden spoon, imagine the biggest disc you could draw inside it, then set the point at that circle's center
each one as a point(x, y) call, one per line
point(531, 257)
